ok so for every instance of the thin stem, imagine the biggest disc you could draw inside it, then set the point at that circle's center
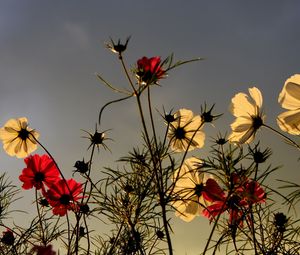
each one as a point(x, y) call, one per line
point(87, 235)
point(166, 227)
point(151, 117)
point(88, 175)
point(215, 224)
point(185, 154)
point(153, 158)
point(50, 155)
point(112, 87)
point(109, 103)
point(211, 233)
point(157, 152)
point(253, 230)
point(115, 240)
point(78, 216)
point(283, 136)
point(127, 74)
point(40, 218)
point(69, 238)
point(76, 229)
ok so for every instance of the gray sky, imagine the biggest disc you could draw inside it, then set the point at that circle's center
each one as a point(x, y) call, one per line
point(50, 50)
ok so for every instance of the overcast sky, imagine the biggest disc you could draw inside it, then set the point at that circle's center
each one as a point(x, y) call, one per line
point(50, 50)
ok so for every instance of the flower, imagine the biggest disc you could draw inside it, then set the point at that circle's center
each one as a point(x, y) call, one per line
point(289, 98)
point(62, 196)
point(245, 192)
point(207, 116)
point(40, 170)
point(84, 208)
point(18, 139)
point(8, 237)
point(253, 193)
point(97, 139)
point(160, 235)
point(118, 48)
point(193, 190)
point(280, 222)
point(81, 166)
point(169, 117)
point(259, 156)
point(184, 133)
point(43, 250)
point(149, 70)
point(249, 117)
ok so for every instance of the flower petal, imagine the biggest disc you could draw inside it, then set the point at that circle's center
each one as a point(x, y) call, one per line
point(241, 106)
point(289, 121)
point(256, 95)
point(289, 97)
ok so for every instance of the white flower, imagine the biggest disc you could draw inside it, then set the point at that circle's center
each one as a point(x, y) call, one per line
point(184, 132)
point(189, 184)
point(18, 139)
point(249, 117)
point(289, 98)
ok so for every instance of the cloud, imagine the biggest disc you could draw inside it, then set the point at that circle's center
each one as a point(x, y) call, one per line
point(77, 34)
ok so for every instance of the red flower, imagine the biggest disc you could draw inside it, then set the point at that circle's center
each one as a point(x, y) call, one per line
point(44, 250)
point(149, 70)
point(8, 237)
point(213, 192)
point(62, 196)
point(40, 170)
point(254, 192)
point(237, 204)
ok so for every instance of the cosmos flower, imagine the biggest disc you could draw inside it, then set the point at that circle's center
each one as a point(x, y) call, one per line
point(280, 222)
point(43, 250)
point(119, 47)
point(40, 170)
point(289, 98)
point(245, 193)
point(194, 190)
point(149, 70)
point(97, 139)
point(62, 196)
point(184, 133)
point(18, 139)
point(8, 237)
point(249, 117)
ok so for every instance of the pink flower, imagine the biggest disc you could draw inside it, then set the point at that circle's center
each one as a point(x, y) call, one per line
point(149, 70)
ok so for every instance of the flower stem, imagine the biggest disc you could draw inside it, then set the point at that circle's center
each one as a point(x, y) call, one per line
point(154, 159)
point(50, 155)
point(289, 140)
point(40, 218)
